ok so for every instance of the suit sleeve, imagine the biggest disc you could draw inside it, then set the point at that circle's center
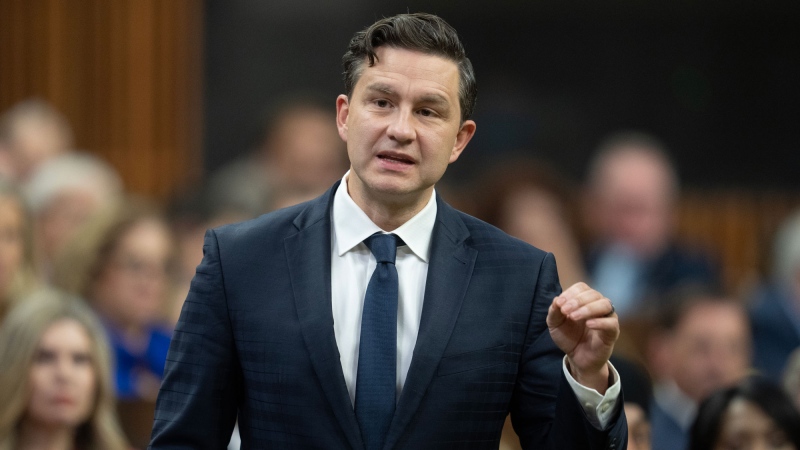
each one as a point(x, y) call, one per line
point(545, 412)
point(197, 403)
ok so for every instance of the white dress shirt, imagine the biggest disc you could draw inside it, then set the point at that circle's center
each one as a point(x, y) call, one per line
point(352, 265)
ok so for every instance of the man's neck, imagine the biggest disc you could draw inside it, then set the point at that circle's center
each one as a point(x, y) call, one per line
point(390, 214)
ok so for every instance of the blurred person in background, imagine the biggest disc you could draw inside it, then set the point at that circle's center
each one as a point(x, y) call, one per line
point(16, 249)
point(753, 415)
point(55, 385)
point(631, 195)
point(702, 343)
point(31, 133)
point(775, 311)
point(190, 215)
point(62, 195)
point(119, 262)
point(300, 155)
point(638, 399)
point(532, 201)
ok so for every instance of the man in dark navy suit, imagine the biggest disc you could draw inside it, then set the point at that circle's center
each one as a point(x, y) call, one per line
point(286, 320)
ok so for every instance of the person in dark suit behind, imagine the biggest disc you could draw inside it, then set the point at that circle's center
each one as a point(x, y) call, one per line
point(632, 208)
point(280, 323)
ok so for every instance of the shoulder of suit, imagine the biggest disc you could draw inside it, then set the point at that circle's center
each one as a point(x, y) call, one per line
point(275, 223)
point(485, 234)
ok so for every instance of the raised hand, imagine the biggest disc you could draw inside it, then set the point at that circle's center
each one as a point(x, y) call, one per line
point(583, 325)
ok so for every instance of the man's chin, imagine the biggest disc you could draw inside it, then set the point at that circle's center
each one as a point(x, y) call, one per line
point(397, 193)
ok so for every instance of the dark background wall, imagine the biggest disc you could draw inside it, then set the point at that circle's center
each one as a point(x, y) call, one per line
point(717, 81)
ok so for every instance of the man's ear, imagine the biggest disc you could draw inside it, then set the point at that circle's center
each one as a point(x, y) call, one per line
point(462, 139)
point(342, 111)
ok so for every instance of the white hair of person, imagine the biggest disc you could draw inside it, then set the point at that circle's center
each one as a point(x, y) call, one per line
point(75, 171)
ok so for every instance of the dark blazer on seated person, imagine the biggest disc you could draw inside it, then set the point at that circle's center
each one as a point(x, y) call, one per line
point(256, 338)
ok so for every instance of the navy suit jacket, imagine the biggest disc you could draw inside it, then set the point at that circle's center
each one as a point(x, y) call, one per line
point(255, 337)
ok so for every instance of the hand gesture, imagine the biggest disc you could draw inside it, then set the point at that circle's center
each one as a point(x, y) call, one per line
point(583, 325)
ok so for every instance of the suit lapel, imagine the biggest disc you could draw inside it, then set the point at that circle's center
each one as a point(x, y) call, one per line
point(308, 255)
point(449, 272)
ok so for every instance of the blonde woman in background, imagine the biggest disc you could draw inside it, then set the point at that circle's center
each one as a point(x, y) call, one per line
point(16, 249)
point(55, 385)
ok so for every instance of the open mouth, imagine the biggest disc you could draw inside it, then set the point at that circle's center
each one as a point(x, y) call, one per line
point(396, 159)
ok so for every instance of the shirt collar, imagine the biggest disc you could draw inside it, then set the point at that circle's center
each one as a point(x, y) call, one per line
point(675, 403)
point(351, 225)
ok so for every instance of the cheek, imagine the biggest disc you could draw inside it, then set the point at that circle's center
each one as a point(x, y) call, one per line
point(38, 380)
point(87, 389)
point(11, 252)
point(37, 394)
point(103, 291)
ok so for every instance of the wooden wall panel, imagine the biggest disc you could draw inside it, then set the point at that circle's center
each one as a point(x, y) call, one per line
point(126, 73)
point(738, 228)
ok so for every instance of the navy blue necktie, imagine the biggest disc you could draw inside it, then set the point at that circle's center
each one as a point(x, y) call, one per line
point(377, 356)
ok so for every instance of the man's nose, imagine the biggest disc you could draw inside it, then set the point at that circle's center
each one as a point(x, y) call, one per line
point(401, 128)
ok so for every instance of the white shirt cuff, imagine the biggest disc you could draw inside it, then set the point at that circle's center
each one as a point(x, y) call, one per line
point(599, 408)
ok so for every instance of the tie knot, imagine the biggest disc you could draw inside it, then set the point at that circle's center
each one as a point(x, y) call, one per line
point(383, 246)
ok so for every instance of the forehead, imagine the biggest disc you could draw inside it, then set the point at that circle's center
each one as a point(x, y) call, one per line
point(411, 70)
point(66, 333)
point(742, 413)
point(710, 317)
point(635, 172)
point(142, 231)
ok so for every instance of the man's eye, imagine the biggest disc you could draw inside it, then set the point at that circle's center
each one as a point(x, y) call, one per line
point(381, 103)
point(427, 112)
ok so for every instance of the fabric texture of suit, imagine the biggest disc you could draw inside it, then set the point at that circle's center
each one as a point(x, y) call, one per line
point(256, 337)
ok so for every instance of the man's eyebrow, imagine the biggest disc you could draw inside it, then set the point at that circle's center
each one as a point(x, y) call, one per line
point(381, 87)
point(437, 99)
point(430, 99)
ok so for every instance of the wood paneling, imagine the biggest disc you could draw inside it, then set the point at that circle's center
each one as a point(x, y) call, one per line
point(126, 73)
point(738, 228)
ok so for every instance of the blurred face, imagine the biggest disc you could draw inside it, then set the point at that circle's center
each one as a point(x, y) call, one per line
point(12, 242)
point(402, 126)
point(746, 427)
point(62, 217)
point(62, 378)
point(131, 289)
point(638, 427)
point(308, 153)
point(535, 216)
point(633, 202)
point(36, 141)
point(710, 349)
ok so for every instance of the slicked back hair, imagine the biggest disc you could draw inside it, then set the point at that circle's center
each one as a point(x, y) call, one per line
point(420, 32)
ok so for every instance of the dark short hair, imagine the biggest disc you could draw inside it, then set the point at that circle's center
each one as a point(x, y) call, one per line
point(679, 302)
point(763, 393)
point(421, 32)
